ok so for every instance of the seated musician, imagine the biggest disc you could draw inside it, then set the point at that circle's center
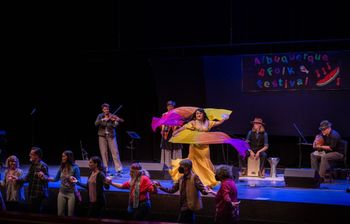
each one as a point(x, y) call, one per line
point(258, 142)
point(327, 146)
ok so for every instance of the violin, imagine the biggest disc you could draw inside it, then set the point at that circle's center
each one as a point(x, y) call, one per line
point(113, 117)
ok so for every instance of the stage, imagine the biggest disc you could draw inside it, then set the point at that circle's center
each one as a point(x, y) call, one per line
point(266, 200)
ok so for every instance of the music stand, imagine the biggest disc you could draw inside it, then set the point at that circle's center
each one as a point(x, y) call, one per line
point(84, 153)
point(302, 141)
point(133, 135)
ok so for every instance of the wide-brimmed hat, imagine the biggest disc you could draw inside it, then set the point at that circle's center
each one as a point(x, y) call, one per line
point(324, 125)
point(257, 120)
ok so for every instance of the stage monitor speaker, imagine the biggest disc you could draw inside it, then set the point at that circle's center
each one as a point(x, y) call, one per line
point(83, 166)
point(303, 178)
point(156, 170)
point(235, 171)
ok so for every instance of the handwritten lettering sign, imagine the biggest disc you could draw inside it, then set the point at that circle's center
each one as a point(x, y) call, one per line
point(297, 71)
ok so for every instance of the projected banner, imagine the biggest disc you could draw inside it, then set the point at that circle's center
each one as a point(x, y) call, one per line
point(296, 71)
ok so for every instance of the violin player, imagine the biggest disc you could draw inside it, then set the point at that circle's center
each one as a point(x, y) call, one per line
point(106, 123)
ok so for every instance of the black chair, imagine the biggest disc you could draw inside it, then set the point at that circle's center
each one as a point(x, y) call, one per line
point(344, 146)
point(335, 171)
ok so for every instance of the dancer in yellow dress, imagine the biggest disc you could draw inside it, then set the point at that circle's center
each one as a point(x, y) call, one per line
point(199, 154)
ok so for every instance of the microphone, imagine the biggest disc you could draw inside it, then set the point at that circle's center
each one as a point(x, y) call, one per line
point(33, 111)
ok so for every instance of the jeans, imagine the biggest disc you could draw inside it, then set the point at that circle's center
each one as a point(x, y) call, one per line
point(64, 199)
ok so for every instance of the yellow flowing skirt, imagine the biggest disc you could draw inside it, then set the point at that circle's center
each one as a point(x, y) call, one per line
point(201, 165)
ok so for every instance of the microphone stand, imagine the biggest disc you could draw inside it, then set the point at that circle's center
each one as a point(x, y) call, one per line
point(163, 150)
point(301, 141)
point(133, 136)
point(131, 147)
point(32, 116)
point(84, 153)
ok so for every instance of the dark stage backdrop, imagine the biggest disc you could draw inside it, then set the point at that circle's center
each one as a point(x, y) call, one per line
point(65, 108)
point(66, 93)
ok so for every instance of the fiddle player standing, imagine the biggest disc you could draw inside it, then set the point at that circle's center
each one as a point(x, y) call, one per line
point(106, 123)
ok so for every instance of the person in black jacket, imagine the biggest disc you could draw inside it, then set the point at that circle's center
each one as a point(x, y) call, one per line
point(95, 186)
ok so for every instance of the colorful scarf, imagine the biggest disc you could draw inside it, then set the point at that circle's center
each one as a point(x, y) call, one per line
point(177, 116)
point(197, 137)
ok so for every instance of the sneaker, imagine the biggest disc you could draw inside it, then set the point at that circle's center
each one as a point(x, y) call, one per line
point(322, 180)
point(119, 173)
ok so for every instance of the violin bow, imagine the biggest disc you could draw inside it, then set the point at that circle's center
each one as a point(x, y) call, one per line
point(120, 107)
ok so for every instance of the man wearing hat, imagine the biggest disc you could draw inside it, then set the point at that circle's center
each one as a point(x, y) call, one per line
point(191, 188)
point(258, 142)
point(169, 150)
point(330, 145)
